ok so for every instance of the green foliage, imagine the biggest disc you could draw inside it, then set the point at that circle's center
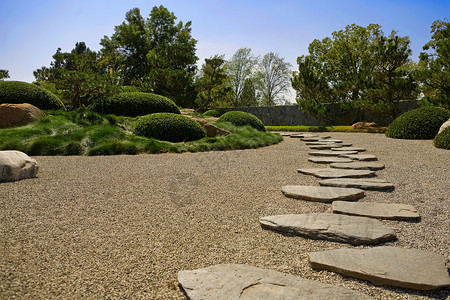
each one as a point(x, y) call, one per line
point(22, 92)
point(169, 127)
point(240, 118)
point(442, 140)
point(420, 123)
point(4, 74)
point(325, 129)
point(214, 112)
point(134, 104)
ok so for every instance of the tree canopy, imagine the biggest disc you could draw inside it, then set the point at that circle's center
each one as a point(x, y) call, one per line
point(4, 74)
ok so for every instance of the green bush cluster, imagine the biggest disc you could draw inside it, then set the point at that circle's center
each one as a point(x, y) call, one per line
point(442, 140)
point(214, 112)
point(169, 127)
point(134, 104)
point(22, 92)
point(240, 118)
point(419, 123)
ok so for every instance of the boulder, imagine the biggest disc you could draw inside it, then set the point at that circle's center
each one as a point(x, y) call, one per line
point(16, 165)
point(12, 115)
point(364, 125)
point(445, 125)
point(210, 129)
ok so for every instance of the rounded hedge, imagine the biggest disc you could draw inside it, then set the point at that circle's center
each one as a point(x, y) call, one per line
point(442, 140)
point(169, 127)
point(214, 112)
point(419, 123)
point(240, 118)
point(17, 92)
point(134, 104)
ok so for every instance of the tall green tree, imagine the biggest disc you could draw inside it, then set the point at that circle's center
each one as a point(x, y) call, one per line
point(156, 54)
point(250, 96)
point(79, 75)
point(433, 70)
point(4, 74)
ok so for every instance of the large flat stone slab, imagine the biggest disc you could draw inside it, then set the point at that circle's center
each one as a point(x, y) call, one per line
point(357, 165)
point(365, 184)
point(303, 135)
point(16, 165)
point(360, 157)
point(337, 173)
point(329, 160)
point(330, 153)
point(321, 193)
point(233, 281)
point(393, 266)
point(391, 211)
point(345, 148)
point(331, 227)
point(325, 146)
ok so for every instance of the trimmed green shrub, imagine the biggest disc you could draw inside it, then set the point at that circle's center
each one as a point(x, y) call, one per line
point(22, 92)
point(134, 104)
point(442, 140)
point(214, 112)
point(419, 123)
point(169, 127)
point(240, 118)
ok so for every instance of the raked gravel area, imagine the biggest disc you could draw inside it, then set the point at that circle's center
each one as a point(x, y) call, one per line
point(123, 226)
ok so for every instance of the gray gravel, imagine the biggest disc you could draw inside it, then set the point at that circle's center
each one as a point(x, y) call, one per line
point(123, 226)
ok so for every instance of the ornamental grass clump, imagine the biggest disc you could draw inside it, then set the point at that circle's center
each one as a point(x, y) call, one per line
point(420, 123)
point(442, 140)
point(240, 118)
point(134, 104)
point(17, 92)
point(169, 127)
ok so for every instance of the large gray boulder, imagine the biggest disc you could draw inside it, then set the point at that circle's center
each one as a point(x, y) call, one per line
point(233, 281)
point(16, 165)
point(445, 125)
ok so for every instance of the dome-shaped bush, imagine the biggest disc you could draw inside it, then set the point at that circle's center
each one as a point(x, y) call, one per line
point(240, 118)
point(17, 92)
point(169, 127)
point(214, 112)
point(419, 123)
point(442, 140)
point(134, 104)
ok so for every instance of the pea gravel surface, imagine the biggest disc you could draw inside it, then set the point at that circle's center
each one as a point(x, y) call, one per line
point(123, 226)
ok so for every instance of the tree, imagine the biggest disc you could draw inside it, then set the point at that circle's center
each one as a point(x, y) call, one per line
point(4, 74)
point(79, 74)
point(240, 68)
point(249, 96)
point(433, 70)
point(156, 54)
point(274, 78)
point(211, 85)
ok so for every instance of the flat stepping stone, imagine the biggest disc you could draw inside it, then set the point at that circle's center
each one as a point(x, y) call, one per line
point(356, 165)
point(337, 173)
point(316, 139)
point(345, 148)
point(330, 153)
point(234, 281)
point(347, 144)
point(321, 142)
point(329, 160)
point(386, 265)
point(331, 227)
point(390, 211)
point(285, 134)
point(360, 157)
point(365, 184)
point(303, 135)
point(321, 193)
point(325, 146)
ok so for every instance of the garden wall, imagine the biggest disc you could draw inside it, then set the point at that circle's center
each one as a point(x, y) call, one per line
point(291, 115)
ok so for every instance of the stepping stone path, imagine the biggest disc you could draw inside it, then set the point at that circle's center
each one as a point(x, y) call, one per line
point(316, 139)
point(365, 184)
point(321, 142)
point(345, 148)
point(356, 165)
point(329, 160)
point(393, 266)
point(376, 210)
point(233, 281)
point(337, 173)
point(321, 193)
point(325, 146)
point(331, 153)
point(360, 157)
point(303, 135)
point(331, 227)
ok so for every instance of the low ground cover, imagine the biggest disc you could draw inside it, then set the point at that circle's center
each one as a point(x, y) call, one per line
point(325, 129)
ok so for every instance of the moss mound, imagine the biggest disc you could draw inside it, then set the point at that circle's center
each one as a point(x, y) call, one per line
point(134, 104)
point(22, 92)
point(169, 127)
point(442, 140)
point(214, 113)
point(420, 123)
point(240, 118)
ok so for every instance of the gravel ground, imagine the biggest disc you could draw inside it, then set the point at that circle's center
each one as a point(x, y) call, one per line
point(123, 226)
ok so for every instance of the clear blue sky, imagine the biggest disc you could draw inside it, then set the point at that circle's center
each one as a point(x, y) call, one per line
point(31, 31)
